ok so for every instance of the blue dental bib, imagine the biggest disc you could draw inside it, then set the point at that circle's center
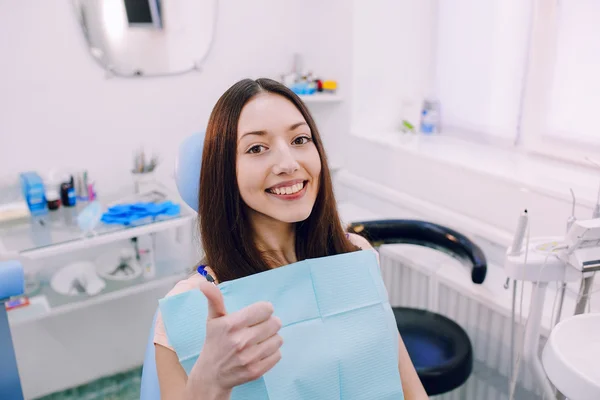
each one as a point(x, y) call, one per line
point(339, 333)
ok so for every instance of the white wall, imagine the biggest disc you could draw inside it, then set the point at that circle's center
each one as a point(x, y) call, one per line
point(391, 62)
point(58, 109)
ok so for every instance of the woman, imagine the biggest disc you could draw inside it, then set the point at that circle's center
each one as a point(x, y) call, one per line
point(266, 200)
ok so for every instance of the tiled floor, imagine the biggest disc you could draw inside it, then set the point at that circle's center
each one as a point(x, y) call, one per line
point(124, 386)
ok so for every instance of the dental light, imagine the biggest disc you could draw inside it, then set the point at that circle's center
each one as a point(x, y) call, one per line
point(570, 361)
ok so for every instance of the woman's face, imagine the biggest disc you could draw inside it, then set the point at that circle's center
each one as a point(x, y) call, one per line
point(278, 164)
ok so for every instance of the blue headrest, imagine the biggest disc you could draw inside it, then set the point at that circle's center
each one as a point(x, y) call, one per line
point(12, 279)
point(187, 169)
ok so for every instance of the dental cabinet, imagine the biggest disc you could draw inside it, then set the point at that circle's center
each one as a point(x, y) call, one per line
point(90, 298)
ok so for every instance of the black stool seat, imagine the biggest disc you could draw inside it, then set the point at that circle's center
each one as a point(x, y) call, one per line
point(439, 348)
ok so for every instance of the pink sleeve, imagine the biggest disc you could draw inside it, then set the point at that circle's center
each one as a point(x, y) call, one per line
point(160, 335)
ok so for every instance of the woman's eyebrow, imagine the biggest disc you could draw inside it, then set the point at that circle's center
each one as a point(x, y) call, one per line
point(263, 133)
point(258, 133)
point(297, 124)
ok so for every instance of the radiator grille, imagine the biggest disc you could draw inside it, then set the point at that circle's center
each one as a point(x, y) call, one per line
point(415, 284)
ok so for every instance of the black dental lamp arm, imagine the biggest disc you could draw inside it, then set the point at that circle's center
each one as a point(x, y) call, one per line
point(390, 231)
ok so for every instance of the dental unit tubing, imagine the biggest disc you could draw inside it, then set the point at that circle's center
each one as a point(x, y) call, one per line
point(572, 258)
point(532, 338)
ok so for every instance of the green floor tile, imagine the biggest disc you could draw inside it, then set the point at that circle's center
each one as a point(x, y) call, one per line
point(123, 386)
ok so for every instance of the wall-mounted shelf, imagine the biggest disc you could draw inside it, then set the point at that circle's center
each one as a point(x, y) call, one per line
point(320, 98)
point(58, 232)
point(49, 303)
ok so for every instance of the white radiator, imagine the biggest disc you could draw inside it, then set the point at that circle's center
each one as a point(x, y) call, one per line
point(428, 279)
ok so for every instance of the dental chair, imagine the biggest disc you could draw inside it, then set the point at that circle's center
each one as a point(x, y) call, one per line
point(12, 283)
point(439, 348)
point(187, 178)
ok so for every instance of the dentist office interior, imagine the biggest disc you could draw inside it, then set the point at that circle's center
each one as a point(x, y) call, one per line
point(460, 140)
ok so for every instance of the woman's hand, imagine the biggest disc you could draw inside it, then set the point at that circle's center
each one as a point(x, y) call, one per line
point(239, 347)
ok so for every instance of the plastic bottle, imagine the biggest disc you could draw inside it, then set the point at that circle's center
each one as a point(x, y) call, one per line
point(147, 258)
point(430, 116)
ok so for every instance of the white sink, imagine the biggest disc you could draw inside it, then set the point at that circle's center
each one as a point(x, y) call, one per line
point(571, 357)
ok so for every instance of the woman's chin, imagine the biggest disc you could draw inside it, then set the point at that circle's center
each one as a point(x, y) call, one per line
point(291, 217)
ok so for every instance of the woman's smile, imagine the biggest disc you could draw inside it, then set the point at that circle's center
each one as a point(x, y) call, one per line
point(289, 190)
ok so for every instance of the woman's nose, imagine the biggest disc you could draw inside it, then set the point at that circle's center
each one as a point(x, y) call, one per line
point(285, 163)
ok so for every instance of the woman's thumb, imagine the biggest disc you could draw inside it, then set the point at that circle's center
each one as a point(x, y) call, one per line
point(216, 305)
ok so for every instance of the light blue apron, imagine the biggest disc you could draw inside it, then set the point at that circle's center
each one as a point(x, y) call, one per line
point(339, 332)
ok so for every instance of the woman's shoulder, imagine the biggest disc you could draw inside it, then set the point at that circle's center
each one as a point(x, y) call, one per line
point(362, 243)
point(359, 241)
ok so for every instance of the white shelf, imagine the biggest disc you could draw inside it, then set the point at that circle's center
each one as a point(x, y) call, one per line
point(50, 303)
point(58, 233)
point(110, 237)
point(320, 98)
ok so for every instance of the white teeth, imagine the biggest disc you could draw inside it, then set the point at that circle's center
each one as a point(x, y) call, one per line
point(289, 190)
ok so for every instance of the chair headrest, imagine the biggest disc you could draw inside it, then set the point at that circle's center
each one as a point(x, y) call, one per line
point(187, 169)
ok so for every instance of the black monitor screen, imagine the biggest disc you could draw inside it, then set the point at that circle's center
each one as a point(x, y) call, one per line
point(138, 11)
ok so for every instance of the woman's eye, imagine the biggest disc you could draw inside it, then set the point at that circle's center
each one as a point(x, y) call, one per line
point(255, 149)
point(301, 140)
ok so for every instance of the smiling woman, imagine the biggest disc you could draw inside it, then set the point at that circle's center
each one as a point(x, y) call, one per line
point(262, 142)
point(265, 201)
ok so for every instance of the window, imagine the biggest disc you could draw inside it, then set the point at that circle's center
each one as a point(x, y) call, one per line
point(523, 73)
point(566, 65)
point(480, 64)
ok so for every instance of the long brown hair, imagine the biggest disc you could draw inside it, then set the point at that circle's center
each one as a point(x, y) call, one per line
point(226, 233)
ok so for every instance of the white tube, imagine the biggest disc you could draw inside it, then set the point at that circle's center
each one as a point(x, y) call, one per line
point(517, 244)
point(532, 338)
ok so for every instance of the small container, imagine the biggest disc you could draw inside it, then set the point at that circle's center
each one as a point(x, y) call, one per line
point(53, 199)
point(144, 182)
point(81, 185)
point(67, 194)
point(147, 257)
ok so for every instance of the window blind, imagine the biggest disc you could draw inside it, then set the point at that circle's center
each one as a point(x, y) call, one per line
point(480, 59)
point(575, 87)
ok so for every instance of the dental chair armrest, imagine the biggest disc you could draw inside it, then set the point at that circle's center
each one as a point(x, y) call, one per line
point(390, 231)
point(12, 279)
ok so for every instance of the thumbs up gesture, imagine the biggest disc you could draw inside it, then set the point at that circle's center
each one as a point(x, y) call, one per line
point(239, 347)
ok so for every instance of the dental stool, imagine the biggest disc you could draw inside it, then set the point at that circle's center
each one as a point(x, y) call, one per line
point(439, 348)
point(12, 283)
